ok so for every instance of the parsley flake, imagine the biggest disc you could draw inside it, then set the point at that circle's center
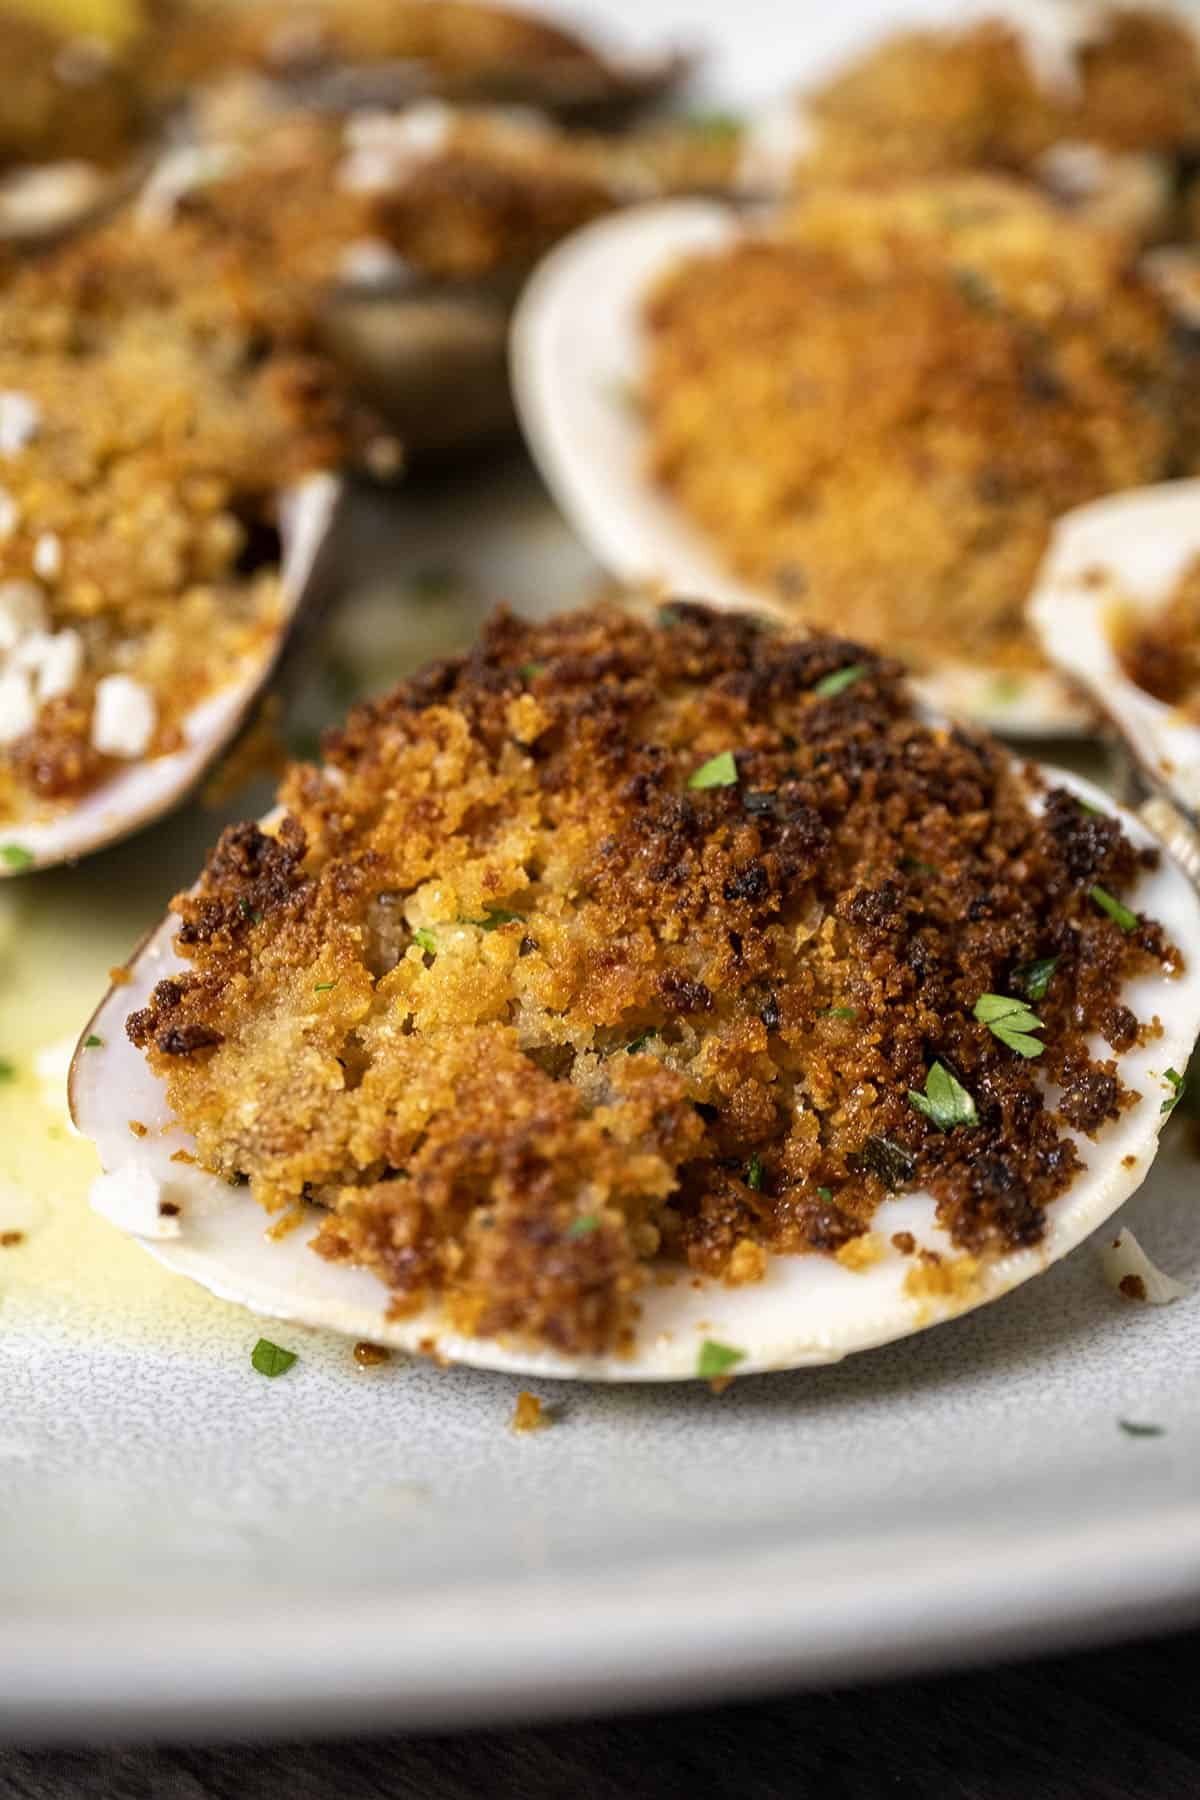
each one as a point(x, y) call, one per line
point(718, 771)
point(716, 1359)
point(718, 127)
point(1136, 1428)
point(249, 912)
point(912, 865)
point(92, 1042)
point(528, 671)
point(8, 1071)
point(270, 1360)
point(1177, 1082)
point(15, 856)
point(1011, 1022)
point(889, 1162)
point(839, 681)
point(425, 940)
point(945, 1102)
point(491, 920)
point(323, 987)
point(754, 1173)
point(1033, 978)
point(1108, 903)
point(825, 1193)
point(583, 1226)
point(838, 1012)
point(638, 1043)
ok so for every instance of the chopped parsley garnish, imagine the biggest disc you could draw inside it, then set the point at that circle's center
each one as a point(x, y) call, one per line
point(825, 1193)
point(838, 1012)
point(435, 583)
point(1112, 906)
point(839, 680)
point(1033, 978)
point(889, 1162)
point(15, 856)
point(425, 940)
point(247, 911)
point(323, 987)
point(1086, 806)
point(1136, 1428)
point(912, 865)
point(718, 771)
point(1177, 1082)
point(491, 920)
point(945, 1102)
point(754, 1172)
point(92, 1042)
point(716, 1359)
point(638, 1043)
point(583, 1226)
point(975, 289)
point(8, 1071)
point(528, 670)
point(720, 127)
point(270, 1360)
point(1011, 1021)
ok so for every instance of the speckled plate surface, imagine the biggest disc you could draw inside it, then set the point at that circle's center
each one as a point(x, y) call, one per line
point(187, 1547)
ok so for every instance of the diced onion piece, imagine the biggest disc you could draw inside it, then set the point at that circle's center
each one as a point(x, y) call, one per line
point(125, 716)
point(1129, 1270)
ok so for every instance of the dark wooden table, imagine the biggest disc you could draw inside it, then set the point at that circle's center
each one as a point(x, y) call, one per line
point(1119, 1724)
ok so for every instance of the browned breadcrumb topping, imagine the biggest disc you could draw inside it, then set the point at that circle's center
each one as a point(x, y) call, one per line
point(529, 1413)
point(879, 409)
point(500, 191)
point(524, 1010)
point(931, 100)
point(64, 100)
point(460, 49)
point(1132, 1287)
point(11, 1240)
point(177, 384)
point(371, 1356)
point(1160, 651)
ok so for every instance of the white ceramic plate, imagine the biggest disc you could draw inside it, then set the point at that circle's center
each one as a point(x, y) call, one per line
point(186, 1546)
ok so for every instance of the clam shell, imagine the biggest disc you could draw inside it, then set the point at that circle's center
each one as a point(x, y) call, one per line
point(145, 789)
point(576, 347)
point(1123, 553)
point(808, 1310)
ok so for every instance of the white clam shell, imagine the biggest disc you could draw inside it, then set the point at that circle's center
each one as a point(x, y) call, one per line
point(1126, 552)
point(808, 1309)
point(576, 354)
point(145, 789)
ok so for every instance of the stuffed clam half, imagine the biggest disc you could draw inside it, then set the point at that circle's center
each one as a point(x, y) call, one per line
point(864, 413)
point(1117, 608)
point(646, 997)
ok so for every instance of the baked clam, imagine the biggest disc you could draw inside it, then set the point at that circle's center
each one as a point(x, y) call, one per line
point(865, 413)
point(642, 999)
point(1117, 608)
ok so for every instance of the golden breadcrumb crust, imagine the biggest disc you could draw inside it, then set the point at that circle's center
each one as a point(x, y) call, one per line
point(175, 367)
point(525, 1002)
point(879, 409)
point(928, 101)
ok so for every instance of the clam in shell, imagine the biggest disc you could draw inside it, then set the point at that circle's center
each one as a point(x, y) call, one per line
point(807, 1310)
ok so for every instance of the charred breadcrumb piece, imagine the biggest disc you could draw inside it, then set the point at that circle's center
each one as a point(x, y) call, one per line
point(879, 408)
point(581, 1036)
